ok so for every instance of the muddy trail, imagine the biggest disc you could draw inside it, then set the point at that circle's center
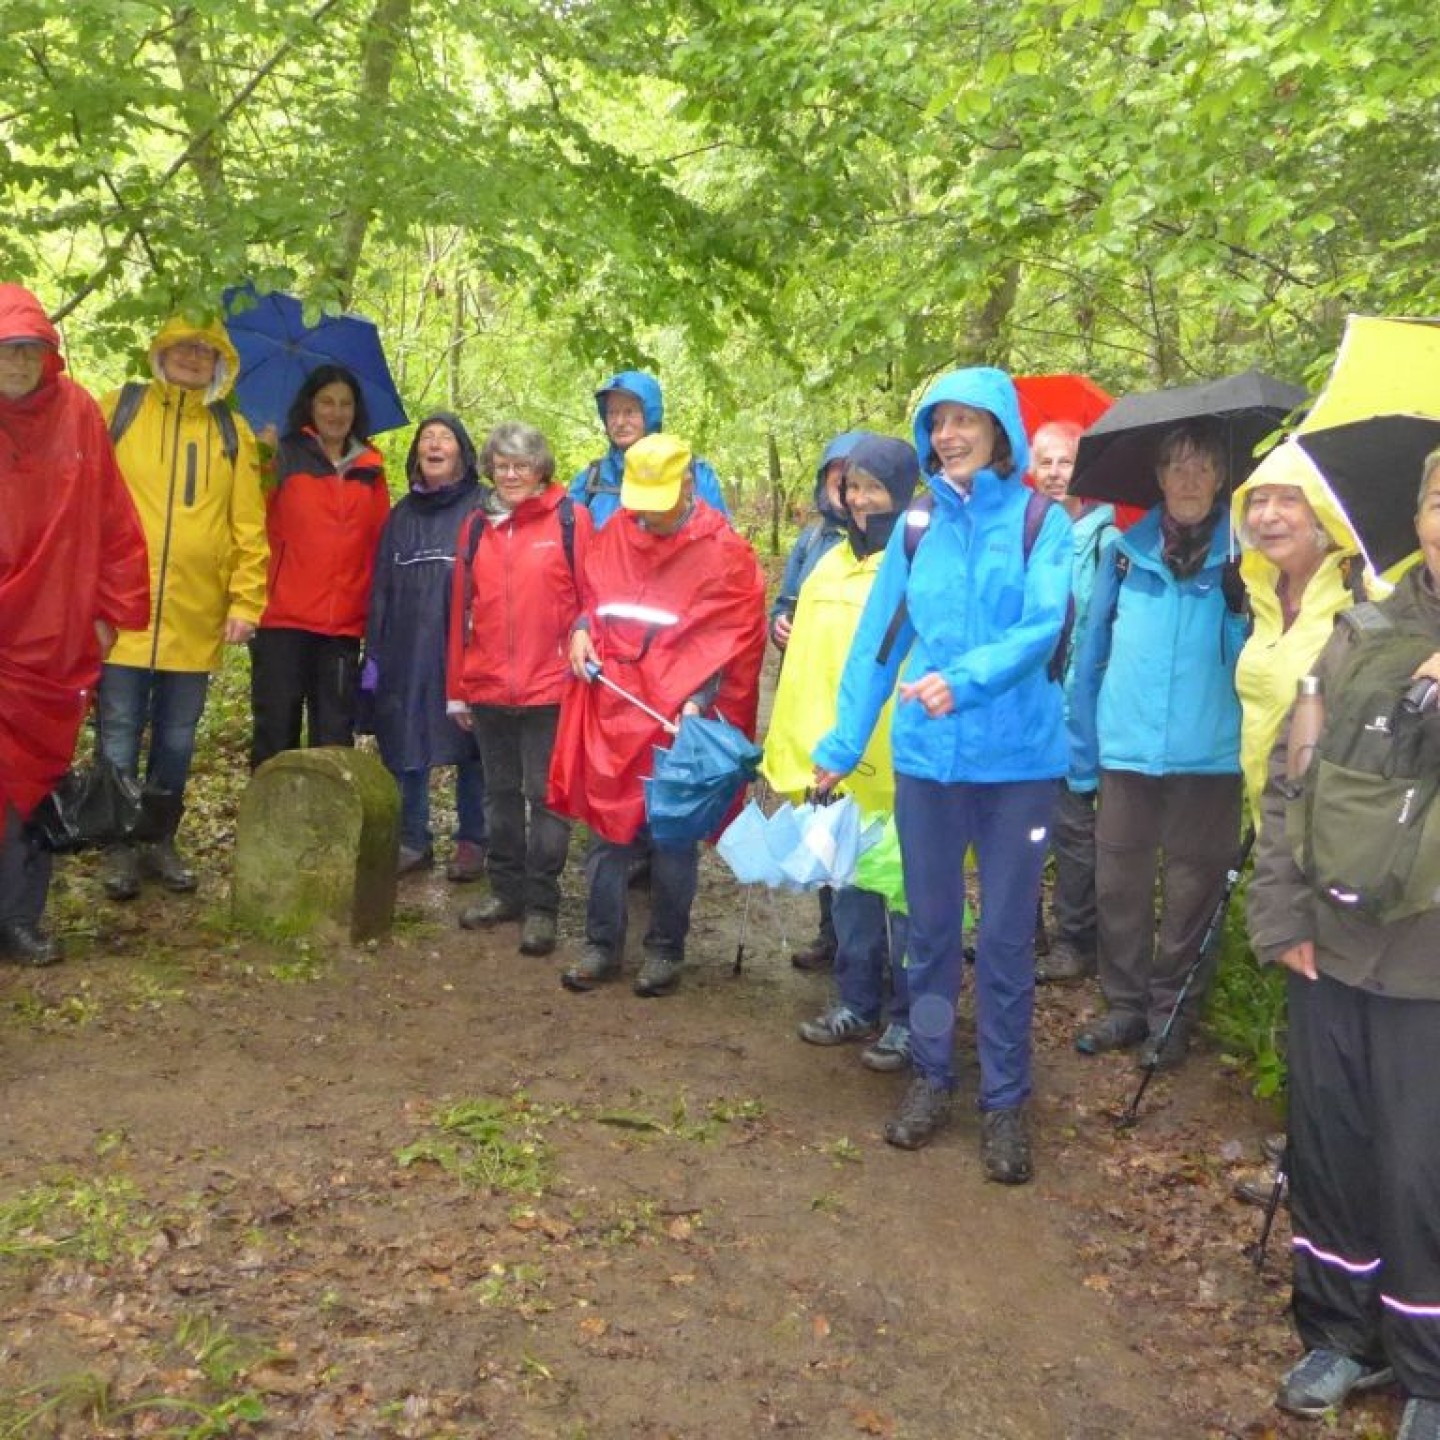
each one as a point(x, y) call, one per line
point(419, 1190)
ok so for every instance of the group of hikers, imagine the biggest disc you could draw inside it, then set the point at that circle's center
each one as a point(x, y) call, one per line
point(965, 645)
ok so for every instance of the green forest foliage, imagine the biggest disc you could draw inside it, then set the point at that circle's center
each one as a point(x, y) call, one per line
point(796, 212)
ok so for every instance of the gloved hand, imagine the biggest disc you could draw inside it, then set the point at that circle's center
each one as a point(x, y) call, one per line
point(1237, 601)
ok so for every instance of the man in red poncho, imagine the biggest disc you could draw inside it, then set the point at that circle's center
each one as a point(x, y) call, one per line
point(73, 571)
point(674, 610)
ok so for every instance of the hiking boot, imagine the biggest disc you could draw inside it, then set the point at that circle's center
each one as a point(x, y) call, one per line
point(467, 862)
point(595, 966)
point(492, 910)
point(537, 934)
point(1325, 1379)
point(121, 876)
point(1115, 1030)
point(1064, 962)
point(411, 862)
point(837, 1025)
point(1420, 1420)
point(1005, 1146)
point(923, 1111)
point(163, 862)
point(659, 974)
point(819, 954)
point(28, 945)
point(1257, 1187)
point(890, 1052)
point(1165, 1052)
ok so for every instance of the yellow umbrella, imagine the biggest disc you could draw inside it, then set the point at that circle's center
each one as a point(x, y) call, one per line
point(1376, 420)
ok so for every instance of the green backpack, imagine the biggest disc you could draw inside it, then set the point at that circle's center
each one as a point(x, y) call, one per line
point(1363, 825)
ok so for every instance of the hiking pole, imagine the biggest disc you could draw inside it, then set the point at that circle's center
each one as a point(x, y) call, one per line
point(1272, 1205)
point(593, 670)
point(1208, 941)
point(744, 925)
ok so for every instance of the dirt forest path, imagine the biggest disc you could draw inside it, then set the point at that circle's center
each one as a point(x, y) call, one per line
point(677, 1221)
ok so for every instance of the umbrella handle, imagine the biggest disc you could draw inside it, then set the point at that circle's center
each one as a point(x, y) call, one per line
point(594, 671)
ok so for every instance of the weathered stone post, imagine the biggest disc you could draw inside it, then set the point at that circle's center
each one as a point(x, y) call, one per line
point(316, 844)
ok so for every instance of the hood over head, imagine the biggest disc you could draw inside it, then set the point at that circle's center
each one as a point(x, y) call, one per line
point(644, 387)
point(838, 449)
point(211, 333)
point(469, 456)
point(23, 317)
point(983, 388)
point(896, 466)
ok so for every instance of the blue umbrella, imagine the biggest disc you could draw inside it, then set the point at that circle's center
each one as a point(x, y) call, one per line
point(278, 350)
point(799, 847)
point(696, 780)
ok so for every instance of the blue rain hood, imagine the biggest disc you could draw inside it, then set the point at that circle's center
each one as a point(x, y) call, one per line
point(644, 387)
point(983, 388)
point(838, 449)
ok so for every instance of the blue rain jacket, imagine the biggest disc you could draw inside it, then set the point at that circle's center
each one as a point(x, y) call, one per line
point(979, 614)
point(602, 494)
point(1154, 680)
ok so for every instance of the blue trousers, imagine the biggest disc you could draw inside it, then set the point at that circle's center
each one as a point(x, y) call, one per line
point(869, 946)
point(415, 832)
point(170, 703)
point(1008, 824)
point(674, 875)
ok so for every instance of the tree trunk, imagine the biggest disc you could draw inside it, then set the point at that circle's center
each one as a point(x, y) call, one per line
point(203, 154)
point(777, 496)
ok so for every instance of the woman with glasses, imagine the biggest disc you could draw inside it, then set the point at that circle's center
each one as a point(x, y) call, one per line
point(405, 647)
point(515, 598)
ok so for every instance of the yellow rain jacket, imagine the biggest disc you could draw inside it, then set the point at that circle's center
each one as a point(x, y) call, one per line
point(826, 618)
point(1274, 658)
point(204, 517)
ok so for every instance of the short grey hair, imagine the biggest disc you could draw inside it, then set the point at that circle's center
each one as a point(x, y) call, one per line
point(1432, 463)
point(517, 441)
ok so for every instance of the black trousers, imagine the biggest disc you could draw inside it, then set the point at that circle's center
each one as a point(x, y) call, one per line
point(299, 675)
point(24, 875)
point(1365, 1176)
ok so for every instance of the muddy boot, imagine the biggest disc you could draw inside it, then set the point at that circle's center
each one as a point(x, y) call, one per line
point(121, 876)
point(595, 966)
point(163, 861)
point(537, 934)
point(659, 974)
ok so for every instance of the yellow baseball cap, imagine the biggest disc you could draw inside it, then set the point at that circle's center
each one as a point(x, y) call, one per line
point(655, 468)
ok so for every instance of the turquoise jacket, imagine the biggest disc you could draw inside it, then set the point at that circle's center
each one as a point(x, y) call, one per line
point(597, 486)
point(1154, 682)
point(1095, 535)
point(977, 613)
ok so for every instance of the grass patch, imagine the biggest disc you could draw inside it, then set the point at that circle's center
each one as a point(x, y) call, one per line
point(91, 1220)
point(489, 1143)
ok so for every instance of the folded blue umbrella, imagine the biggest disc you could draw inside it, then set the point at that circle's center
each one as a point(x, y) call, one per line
point(696, 780)
point(799, 847)
point(278, 350)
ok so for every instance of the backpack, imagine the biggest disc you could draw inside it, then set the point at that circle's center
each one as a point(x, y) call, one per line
point(917, 522)
point(474, 527)
point(1362, 825)
point(127, 407)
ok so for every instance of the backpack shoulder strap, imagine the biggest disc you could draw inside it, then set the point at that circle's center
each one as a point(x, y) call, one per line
point(566, 508)
point(594, 485)
point(1352, 571)
point(1036, 508)
point(225, 422)
point(127, 407)
point(917, 522)
point(1367, 618)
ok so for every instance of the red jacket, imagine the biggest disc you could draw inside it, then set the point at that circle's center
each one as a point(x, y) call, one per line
point(71, 552)
point(513, 605)
point(324, 522)
point(667, 614)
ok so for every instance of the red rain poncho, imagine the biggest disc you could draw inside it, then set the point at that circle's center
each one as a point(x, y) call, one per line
point(667, 612)
point(71, 552)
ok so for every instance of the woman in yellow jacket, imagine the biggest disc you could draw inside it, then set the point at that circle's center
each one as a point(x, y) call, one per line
point(879, 480)
point(1301, 566)
point(192, 469)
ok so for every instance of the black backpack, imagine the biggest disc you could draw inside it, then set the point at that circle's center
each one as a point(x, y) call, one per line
point(1363, 825)
point(917, 522)
point(127, 407)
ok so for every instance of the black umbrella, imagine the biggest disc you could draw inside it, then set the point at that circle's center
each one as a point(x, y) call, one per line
point(1116, 459)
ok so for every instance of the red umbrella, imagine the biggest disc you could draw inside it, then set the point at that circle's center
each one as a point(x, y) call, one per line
point(1070, 399)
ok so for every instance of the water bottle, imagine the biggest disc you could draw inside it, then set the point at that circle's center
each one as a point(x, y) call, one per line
point(1306, 722)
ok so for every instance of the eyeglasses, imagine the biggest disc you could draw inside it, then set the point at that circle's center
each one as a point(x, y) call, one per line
point(513, 469)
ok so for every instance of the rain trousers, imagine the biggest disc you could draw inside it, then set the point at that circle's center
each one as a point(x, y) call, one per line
point(72, 551)
point(597, 486)
point(204, 515)
point(666, 614)
point(1274, 658)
